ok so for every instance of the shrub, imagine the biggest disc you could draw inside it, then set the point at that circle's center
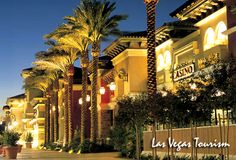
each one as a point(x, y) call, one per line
point(75, 144)
point(182, 158)
point(148, 157)
point(166, 157)
point(29, 137)
point(94, 147)
point(125, 144)
point(10, 138)
point(205, 157)
point(1, 139)
point(84, 147)
point(52, 146)
point(65, 148)
point(90, 147)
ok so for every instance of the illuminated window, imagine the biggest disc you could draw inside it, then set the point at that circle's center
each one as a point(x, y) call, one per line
point(167, 56)
point(161, 62)
point(220, 37)
point(209, 39)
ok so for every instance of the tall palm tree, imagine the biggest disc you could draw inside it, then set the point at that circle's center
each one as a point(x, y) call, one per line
point(42, 80)
point(56, 60)
point(151, 54)
point(96, 23)
point(73, 46)
point(151, 42)
point(71, 39)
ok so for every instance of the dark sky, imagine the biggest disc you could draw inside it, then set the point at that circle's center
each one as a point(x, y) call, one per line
point(23, 23)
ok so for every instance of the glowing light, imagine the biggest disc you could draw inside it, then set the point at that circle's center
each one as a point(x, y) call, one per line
point(10, 127)
point(24, 120)
point(80, 101)
point(161, 62)
point(163, 93)
point(219, 93)
point(167, 56)
point(193, 86)
point(220, 37)
point(15, 123)
point(53, 108)
point(102, 90)
point(87, 98)
point(112, 86)
point(209, 39)
point(21, 104)
point(71, 151)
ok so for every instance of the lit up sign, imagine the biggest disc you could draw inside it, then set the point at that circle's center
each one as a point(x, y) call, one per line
point(183, 72)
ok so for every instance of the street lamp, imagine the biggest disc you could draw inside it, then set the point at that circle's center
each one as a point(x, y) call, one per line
point(102, 90)
point(80, 101)
point(87, 100)
point(112, 86)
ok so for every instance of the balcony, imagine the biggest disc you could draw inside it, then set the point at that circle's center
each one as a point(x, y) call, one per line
point(220, 50)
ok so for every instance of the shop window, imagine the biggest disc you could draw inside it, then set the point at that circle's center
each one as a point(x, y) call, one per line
point(220, 37)
point(167, 56)
point(209, 39)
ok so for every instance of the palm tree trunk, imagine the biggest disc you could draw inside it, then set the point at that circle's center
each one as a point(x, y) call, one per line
point(56, 112)
point(94, 112)
point(151, 54)
point(66, 129)
point(70, 102)
point(84, 64)
point(51, 123)
point(47, 119)
point(151, 44)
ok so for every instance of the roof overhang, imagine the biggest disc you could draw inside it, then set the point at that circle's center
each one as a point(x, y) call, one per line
point(210, 17)
point(197, 9)
point(123, 43)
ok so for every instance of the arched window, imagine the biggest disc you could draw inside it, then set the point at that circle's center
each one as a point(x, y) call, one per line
point(220, 37)
point(161, 62)
point(167, 56)
point(209, 39)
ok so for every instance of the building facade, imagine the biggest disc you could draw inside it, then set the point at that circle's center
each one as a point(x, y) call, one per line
point(203, 34)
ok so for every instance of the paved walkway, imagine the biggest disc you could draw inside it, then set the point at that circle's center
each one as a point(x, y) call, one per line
point(28, 154)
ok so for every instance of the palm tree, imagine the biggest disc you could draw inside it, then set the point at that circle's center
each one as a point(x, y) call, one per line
point(151, 42)
point(74, 45)
point(68, 41)
point(59, 61)
point(42, 80)
point(96, 23)
point(151, 54)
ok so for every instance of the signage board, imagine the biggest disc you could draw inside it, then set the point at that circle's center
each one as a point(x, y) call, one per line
point(183, 72)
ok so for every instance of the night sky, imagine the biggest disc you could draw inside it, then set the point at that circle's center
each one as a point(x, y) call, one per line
point(23, 23)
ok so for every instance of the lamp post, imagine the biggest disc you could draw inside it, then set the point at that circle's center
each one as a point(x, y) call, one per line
point(102, 90)
point(87, 100)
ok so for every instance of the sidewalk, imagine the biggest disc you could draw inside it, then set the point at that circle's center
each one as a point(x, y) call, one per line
point(28, 154)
